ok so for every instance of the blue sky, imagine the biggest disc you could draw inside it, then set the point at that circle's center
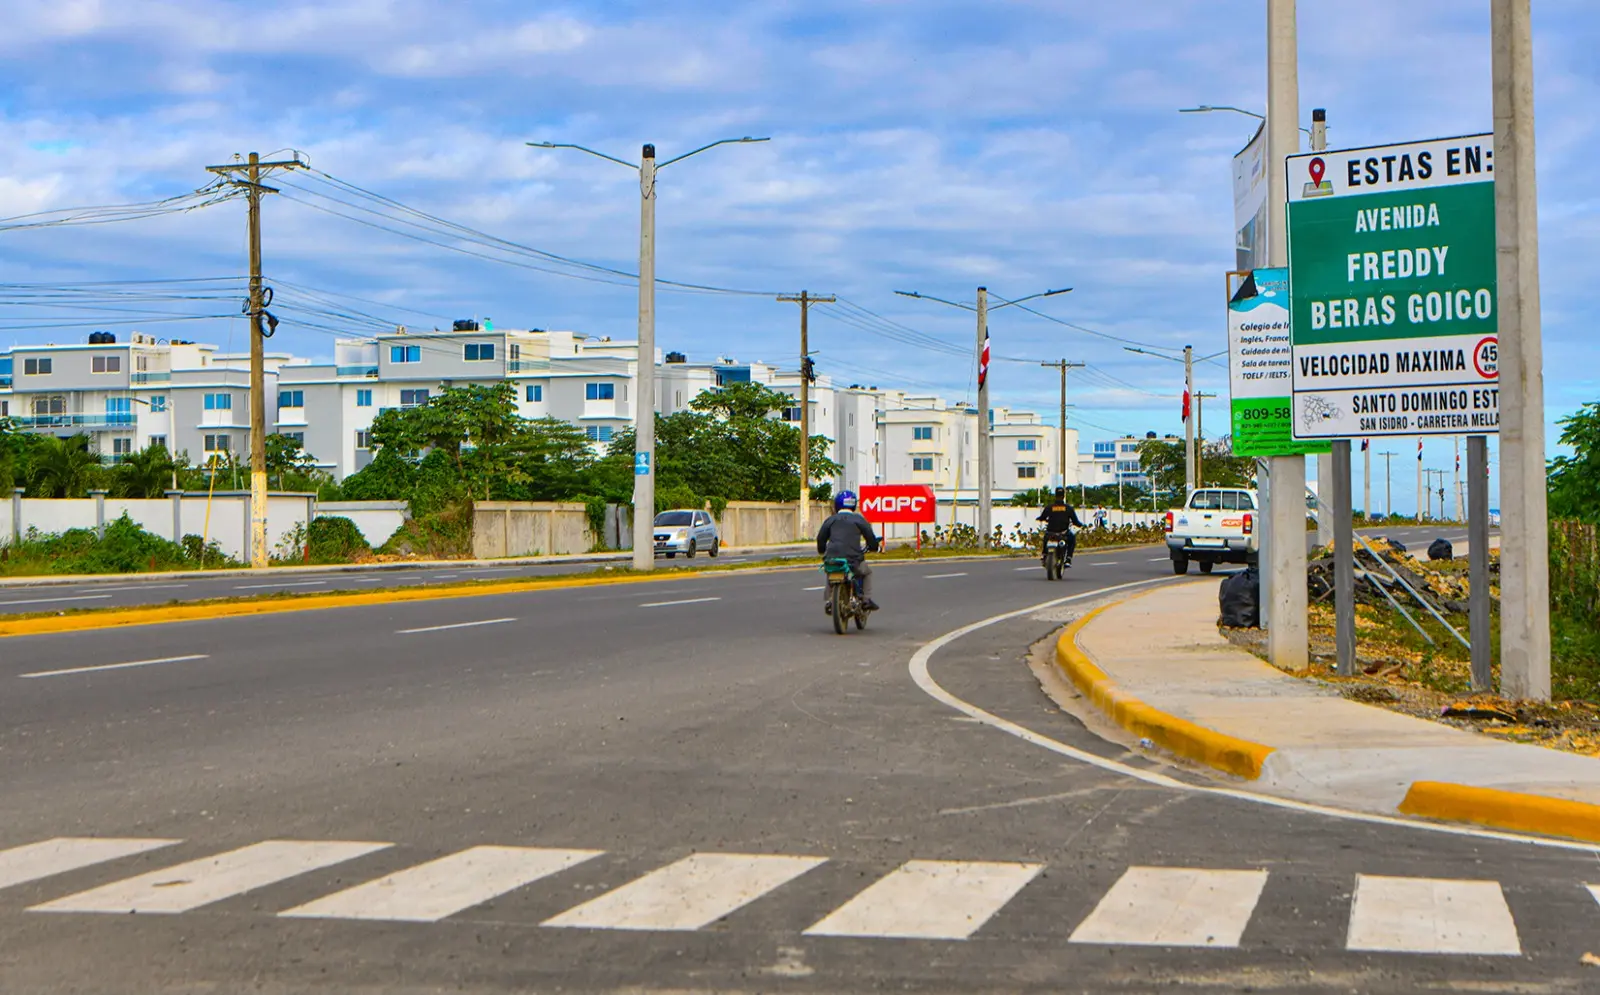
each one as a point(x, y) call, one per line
point(926, 146)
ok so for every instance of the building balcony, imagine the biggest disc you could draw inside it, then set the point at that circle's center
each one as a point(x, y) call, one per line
point(5, 379)
point(356, 371)
point(528, 366)
point(151, 376)
point(94, 422)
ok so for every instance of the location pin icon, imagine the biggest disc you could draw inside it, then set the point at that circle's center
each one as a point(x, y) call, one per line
point(1318, 167)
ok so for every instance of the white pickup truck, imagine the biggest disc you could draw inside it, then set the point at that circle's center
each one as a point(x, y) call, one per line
point(1217, 525)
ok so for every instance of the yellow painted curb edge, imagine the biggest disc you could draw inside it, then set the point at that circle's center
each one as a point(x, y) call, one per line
point(1214, 749)
point(1498, 809)
point(157, 615)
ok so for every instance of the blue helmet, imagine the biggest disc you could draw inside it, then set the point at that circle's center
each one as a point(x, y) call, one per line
point(843, 500)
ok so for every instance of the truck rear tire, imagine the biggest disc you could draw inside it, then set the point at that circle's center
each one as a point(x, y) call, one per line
point(1180, 563)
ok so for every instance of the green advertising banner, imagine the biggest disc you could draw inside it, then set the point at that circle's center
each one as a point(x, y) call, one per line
point(1258, 368)
point(1392, 282)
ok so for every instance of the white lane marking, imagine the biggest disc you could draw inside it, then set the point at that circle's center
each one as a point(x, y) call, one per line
point(47, 601)
point(1112, 563)
point(1174, 907)
point(439, 888)
point(685, 601)
point(498, 570)
point(117, 666)
point(444, 576)
point(1036, 566)
point(929, 900)
point(22, 864)
point(300, 583)
point(1431, 916)
point(370, 580)
point(940, 576)
point(918, 667)
point(1158, 559)
point(142, 587)
point(211, 879)
point(452, 625)
point(819, 587)
point(693, 892)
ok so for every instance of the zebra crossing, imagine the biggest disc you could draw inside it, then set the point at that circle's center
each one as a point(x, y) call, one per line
point(940, 900)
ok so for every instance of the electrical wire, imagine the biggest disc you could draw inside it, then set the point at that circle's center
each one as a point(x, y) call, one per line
point(213, 193)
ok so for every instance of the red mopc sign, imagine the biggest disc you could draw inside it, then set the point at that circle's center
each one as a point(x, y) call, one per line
point(911, 504)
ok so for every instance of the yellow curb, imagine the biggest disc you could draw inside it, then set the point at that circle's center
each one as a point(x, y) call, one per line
point(118, 618)
point(1235, 756)
point(1503, 809)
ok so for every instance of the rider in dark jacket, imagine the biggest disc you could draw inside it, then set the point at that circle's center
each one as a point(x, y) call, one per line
point(1059, 517)
point(847, 535)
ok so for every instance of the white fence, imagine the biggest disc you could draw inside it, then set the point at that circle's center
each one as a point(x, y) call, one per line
point(1013, 519)
point(224, 516)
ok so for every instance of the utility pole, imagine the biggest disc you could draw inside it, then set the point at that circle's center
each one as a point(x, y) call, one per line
point(1284, 578)
point(644, 405)
point(254, 169)
point(1525, 539)
point(805, 300)
point(985, 488)
point(1388, 483)
point(1061, 439)
point(1326, 471)
point(1191, 472)
point(1200, 437)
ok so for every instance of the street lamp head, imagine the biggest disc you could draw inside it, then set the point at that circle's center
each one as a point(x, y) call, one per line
point(541, 145)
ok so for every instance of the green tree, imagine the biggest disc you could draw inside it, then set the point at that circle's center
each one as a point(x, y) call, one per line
point(1574, 481)
point(554, 459)
point(147, 473)
point(1220, 468)
point(389, 477)
point(473, 427)
point(1162, 461)
point(63, 467)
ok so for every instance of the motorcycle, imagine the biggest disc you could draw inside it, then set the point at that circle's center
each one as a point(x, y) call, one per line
point(845, 600)
point(1057, 554)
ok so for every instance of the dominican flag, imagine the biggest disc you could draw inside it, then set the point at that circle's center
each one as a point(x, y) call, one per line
point(1186, 406)
point(1419, 450)
point(1365, 443)
point(983, 362)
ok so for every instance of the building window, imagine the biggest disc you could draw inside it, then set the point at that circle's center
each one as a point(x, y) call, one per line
point(219, 402)
point(535, 392)
point(791, 414)
point(217, 443)
point(412, 398)
point(291, 398)
point(158, 440)
point(922, 464)
point(119, 410)
point(105, 364)
point(36, 367)
point(1027, 472)
point(599, 391)
point(478, 352)
point(158, 403)
point(363, 439)
point(922, 433)
point(1130, 447)
point(598, 433)
point(1105, 448)
point(364, 398)
point(516, 352)
point(1027, 445)
point(55, 404)
point(298, 437)
point(5, 408)
point(405, 354)
point(120, 448)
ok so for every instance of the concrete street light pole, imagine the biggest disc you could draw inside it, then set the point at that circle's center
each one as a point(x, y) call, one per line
point(1524, 541)
point(1285, 556)
point(985, 481)
point(644, 402)
point(1190, 478)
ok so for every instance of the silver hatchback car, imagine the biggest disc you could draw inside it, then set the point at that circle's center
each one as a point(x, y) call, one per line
point(686, 531)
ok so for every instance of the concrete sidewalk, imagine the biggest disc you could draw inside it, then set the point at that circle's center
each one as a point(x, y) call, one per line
point(1158, 665)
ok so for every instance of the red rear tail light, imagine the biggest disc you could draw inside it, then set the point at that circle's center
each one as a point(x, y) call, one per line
point(1249, 524)
point(1169, 521)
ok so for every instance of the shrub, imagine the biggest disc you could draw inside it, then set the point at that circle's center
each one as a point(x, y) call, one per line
point(334, 539)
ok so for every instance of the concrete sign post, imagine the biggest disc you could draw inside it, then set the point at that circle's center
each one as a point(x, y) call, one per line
point(1392, 276)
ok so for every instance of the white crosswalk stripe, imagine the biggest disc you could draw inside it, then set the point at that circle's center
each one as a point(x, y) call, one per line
point(430, 892)
point(1174, 907)
point(929, 900)
point(211, 879)
point(1431, 916)
point(693, 892)
point(47, 858)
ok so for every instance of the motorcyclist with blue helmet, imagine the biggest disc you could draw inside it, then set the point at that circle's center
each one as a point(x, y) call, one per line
point(847, 535)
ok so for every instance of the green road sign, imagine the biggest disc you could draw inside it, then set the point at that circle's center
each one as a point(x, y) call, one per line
point(1258, 368)
point(1392, 288)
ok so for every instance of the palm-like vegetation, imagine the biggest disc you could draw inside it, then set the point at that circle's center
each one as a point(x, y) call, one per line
point(147, 473)
point(63, 467)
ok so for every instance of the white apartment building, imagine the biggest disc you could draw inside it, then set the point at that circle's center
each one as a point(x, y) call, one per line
point(195, 400)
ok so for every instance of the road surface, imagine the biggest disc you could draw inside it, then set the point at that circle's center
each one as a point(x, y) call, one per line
point(693, 785)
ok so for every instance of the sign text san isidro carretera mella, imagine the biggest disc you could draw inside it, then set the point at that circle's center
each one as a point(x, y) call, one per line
point(1392, 290)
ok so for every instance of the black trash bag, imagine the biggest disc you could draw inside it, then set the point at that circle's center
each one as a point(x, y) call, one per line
point(1399, 547)
point(1440, 549)
point(1240, 600)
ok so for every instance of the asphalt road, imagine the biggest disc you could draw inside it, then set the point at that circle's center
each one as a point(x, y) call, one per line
point(692, 785)
point(135, 590)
